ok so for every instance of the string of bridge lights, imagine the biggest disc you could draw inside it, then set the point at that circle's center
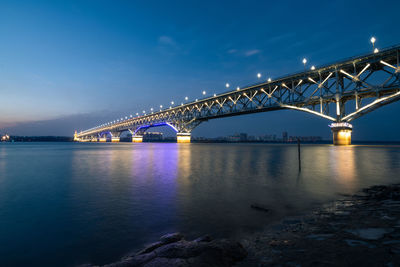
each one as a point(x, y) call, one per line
point(204, 93)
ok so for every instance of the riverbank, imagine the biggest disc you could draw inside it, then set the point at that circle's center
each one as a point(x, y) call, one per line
point(358, 230)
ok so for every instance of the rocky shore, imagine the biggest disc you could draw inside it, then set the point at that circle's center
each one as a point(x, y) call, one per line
point(358, 230)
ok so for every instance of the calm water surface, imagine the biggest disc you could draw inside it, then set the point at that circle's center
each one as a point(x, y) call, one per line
point(63, 204)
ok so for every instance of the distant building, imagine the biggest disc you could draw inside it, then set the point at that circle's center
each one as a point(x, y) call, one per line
point(284, 136)
point(243, 137)
point(233, 138)
point(153, 136)
point(305, 138)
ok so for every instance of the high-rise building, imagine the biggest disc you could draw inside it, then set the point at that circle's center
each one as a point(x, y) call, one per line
point(284, 136)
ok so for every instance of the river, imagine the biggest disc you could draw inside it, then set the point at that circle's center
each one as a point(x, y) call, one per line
point(63, 204)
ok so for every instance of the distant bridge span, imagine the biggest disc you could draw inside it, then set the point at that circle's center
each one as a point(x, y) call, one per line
point(339, 92)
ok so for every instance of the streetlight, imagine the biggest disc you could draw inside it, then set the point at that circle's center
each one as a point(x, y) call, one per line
point(304, 62)
point(237, 88)
point(204, 92)
point(160, 107)
point(215, 95)
point(186, 98)
point(312, 67)
point(172, 102)
point(227, 85)
point(376, 50)
point(269, 80)
point(373, 40)
point(258, 75)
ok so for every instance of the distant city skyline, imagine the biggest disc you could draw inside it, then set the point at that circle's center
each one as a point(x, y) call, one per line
point(68, 66)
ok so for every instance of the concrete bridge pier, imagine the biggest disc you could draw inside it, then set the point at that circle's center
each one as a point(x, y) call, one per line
point(183, 137)
point(341, 132)
point(137, 138)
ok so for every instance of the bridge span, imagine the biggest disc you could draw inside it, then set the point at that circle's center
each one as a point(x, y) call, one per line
point(340, 92)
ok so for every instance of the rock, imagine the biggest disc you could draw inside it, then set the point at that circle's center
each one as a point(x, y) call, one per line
point(259, 207)
point(151, 247)
point(342, 213)
point(319, 237)
point(354, 243)
point(370, 233)
point(170, 238)
point(200, 252)
point(391, 242)
point(165, 262)
point(205, 238)
point(294, 221)
point(137, 260)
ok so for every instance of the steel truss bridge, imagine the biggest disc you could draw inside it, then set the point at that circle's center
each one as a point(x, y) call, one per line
point(340, 92)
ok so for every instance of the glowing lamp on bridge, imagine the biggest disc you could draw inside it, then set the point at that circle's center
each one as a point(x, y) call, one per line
point(258, 75)
point(172, 102)
point(237, 88)
point(204, 92)
point(313, 67)
point(186, 98)
point(376, 50)
point(269, 80)
point(227, 85)
point(373, 40)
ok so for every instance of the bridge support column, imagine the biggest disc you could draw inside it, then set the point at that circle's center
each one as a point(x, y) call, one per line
point(114, 139)
point(183, 137)
point(341, 132)
point(137, 138)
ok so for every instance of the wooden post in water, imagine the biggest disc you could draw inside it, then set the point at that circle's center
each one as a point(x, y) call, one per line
point(298, 148)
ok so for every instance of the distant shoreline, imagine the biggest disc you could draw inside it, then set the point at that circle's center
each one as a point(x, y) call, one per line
point(30, 139)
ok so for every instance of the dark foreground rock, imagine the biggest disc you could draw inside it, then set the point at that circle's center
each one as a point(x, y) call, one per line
point(173, 250)
point(359, 230)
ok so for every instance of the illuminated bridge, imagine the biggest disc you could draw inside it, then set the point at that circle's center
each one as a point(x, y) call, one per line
point(339, 92)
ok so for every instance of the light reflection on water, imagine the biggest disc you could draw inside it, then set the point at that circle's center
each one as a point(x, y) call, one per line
point(75, 203)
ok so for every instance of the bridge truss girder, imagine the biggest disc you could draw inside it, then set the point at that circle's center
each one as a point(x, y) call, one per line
point(340, 92)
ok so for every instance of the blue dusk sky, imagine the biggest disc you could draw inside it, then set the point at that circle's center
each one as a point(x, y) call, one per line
point(71, 65)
